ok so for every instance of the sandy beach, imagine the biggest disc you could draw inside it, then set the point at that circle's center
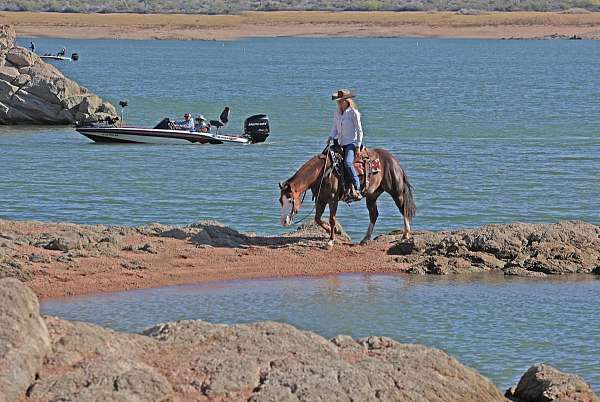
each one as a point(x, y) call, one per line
point(496, 25)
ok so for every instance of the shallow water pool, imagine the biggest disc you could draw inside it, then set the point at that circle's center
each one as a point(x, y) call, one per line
point(497, 325)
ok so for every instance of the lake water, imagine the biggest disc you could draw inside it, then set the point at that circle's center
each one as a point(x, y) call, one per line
point(488, 131)
point(500, 326)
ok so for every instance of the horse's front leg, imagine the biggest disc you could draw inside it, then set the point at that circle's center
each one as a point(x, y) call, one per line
point(319, 209)
point(332, 222)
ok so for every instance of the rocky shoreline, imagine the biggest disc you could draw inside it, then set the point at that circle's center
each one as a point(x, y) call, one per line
point(49, 359)
point(35, 92)
point(67, 259)
point(567, 247)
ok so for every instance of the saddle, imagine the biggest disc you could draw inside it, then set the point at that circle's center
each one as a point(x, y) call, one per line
point(365, 164)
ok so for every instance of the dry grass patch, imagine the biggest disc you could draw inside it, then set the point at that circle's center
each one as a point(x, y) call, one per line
point(383, 18)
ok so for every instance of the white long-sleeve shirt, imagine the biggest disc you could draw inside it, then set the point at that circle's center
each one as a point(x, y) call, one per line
point(347, 128)
point(185, 125)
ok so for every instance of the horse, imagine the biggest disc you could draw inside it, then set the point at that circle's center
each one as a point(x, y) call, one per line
point(327, 189)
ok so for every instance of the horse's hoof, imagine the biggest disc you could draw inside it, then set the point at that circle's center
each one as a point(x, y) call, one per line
point(329, 245)
point(406, 236)
point(364, 242)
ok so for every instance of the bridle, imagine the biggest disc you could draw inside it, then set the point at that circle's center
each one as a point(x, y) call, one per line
point(294, 211)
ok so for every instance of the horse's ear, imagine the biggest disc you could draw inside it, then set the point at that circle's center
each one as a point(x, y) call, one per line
point(281, 184)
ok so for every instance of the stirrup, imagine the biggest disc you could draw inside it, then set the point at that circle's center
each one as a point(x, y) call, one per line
point(352, 196)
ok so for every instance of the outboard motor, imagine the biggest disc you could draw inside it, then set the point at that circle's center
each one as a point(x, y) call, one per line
point(75, 56)
point(256, 128)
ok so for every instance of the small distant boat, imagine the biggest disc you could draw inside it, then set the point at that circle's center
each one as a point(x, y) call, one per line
point(256, 130)
point(74, 57)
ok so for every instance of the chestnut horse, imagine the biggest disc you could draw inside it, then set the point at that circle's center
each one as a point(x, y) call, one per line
point(317, 175)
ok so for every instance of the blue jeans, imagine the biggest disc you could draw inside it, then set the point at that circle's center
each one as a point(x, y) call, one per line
point(349, 154)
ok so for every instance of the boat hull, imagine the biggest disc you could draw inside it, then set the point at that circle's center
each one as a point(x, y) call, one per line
point(57, 58)
point(135, 135)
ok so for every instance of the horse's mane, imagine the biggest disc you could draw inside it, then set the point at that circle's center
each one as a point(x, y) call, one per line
point(305, 165)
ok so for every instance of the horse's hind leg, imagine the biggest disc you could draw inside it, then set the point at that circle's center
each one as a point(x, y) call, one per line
point(373, 215)
point(400, 204)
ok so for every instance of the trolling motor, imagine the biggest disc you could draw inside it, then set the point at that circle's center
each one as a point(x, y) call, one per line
point(123, 105)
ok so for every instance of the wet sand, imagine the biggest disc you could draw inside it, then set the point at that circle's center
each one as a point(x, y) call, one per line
point(497, 25)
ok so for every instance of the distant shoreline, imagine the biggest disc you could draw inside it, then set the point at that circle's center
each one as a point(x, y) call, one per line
point(492, 25)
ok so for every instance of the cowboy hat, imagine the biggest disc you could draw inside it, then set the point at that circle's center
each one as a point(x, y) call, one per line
point(342, 94)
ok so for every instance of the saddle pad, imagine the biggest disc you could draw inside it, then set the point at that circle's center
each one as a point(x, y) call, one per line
point(360, 166)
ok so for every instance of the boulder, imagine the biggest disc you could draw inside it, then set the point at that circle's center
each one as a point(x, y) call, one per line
point(311, 229)
point(24, 340)
point(93, 240)
point(8, 74)
point(107, 108)
point(209, 233)
point(7, 90)
point(269, 361)
point(20, 57)
point(90, 104)
point(265, 361)
point(544, 383)
point(34, 92)
point(90, 363)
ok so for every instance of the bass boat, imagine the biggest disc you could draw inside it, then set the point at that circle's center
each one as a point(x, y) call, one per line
point(256, 129)
point(74, 57)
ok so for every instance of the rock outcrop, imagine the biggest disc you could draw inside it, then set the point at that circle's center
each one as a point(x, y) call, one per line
point(544, 383)
point(34, 92)
point(515, 249)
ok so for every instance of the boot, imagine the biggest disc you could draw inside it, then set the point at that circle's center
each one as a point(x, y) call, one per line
point(355, 195)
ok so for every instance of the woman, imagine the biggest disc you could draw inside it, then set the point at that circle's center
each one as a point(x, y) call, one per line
point(347, 130)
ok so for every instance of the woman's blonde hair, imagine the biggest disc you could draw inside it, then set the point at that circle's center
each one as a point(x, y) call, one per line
point(352, 103)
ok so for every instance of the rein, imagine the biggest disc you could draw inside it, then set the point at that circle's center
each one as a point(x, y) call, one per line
point(318, 191)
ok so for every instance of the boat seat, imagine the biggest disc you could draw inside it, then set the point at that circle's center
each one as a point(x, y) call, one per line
point(165, 124)
point(223, 118)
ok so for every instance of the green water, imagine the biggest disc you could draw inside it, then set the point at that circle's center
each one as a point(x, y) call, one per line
point(488, 131)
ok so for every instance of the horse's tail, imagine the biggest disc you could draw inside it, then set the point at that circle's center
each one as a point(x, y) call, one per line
point(409, 209)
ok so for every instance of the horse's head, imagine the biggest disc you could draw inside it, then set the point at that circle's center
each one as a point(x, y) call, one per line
point(290, 203)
